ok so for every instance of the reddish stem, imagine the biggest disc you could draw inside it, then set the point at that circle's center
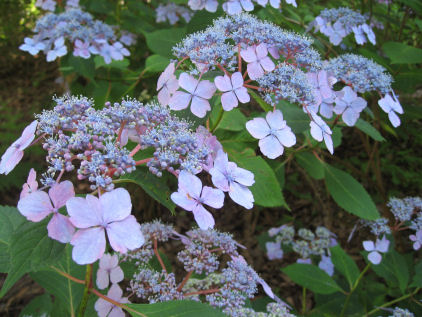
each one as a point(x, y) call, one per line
point(140, 162)
point(251, 86)
point(207, 291)
point(180, 287)
point(181, 61)
point(224, 70)
point(244, 75)
point(37, 139)
point(158, 256)
point(135, 150)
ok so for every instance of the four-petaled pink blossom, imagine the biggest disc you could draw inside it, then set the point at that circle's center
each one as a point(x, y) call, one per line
point(109, 271)
point(232, 179)
point(321, 86)
point(273, 134)
point(107, 309)
point(374, 249)
point(82, 49)
point(237, 6)
point(391, 107)
point(191, 197)
point(349, 105)
point(31, 184)
point(94, 217)
point(417, 239)
point(205, 138)
point(258, 60)
point(321, 131)
point(14, 153)
point(168, 84)
point(233, 90)
point(197, 91)
point(38, 205)
point(336, 33)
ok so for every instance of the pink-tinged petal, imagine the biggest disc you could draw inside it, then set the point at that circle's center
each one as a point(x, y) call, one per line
point(165, 75)
point(115, 292)
point(212, 197)
point(241, 195)
point(249, 55)
point(200, 106)
point(326, 110)
point(350, 117)
point(316, 131)
point(236, 80)
point(374, 257)
point(88, 245)
point(267, 64)
point(203, 218)
point(394, 119)
point(329, 143)
point(274, 51)
point(382, 245)
point(172, 84)
point(275, 119)
point(368, 245)
point(10, 159)
point(255, 70)
point(242, 95)
point(261, 51)
point(36, 206)
point(233, 7)
point(28, 135)
point(84, 213)
point(243, 176)
point(221, 161)
point(190, 184)
point(340, 106)
point(32, 179)
point(60, 193)
point(184, 200)
point(116, 275)
point(115, 205)
point(180, 100)
point(164, 96)
point(188, 82)
point(312, 79)
point(103, 307)
point(116, 312)
point(108, 261)
point(229, 101)
point(286, 137)
point(219, 179)
point(205, 89)
point(267, 288)
point(247, 5)
point(258, 128)
point(223, 83)
point(385, 103)
point(358, 104)
point(270, 147)
point(125, 235)
point(60, 228)
point(102, 278)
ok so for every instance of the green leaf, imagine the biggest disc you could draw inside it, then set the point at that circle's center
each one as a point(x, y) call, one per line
point(233, 120)
point(40, 306)
point(266, 107)
point(84, 67)
point(313, 166)
point(294, 116)
point(201, 20)
point(10, 220)
point(344, 264)
point(180, 308)
point(400, 53)
point(156, 63)
point(30, 250)
point(312, 277)
point(99, 62)
point(367, 128)
point(154, 186)
point(162, 41)
point(65, 291)
point(266, 190)
point(349, 194)
point(393, 269)
point(417, 278)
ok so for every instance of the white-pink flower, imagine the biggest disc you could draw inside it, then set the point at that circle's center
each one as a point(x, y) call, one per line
point(107, 309)
point(82, 49)
point(197, 91)
point(167, 84)
point(237, 6)
point(417, 239)
point(97, 216)
point(233, 90)
point(14, 153)
point(375, 249)
point(38, 205)
point(321, 131)
point(258, 60)
point(109, 271)
point(391, 107)
point(273, 134)
point(31, 184)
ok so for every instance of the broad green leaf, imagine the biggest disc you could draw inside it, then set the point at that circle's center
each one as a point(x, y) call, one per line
point(417, 278)
point(65, 291)
point(233, 120)
point(400, 53)
point(344, 264)
point(313, 166)
point(201, 20)
point(180, 308)
point(10, 220)
point(265, 106)
point(40, 306)
point(312, 277)
point(161, 42)
point(294, 116)
point(30, 250)
point(367, 128)
point(81, 66)
point(349, 194)
point(393, 269)
point(154, 186)
point(156, 63)
point(266, 190)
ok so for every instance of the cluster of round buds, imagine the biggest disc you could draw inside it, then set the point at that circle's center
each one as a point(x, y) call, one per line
point(307, 244)
point(226, 284)
point(172, 12)
point(400, 312)
point(85, 34)
point(340, 22)
point(50, 5)
point(273, 310)
point(232, 7)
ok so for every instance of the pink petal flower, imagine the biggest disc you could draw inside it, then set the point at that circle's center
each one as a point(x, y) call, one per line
point(36, 206)
point(125, 235)
point(31, 184)
point(60, 228)
point(107, 309)
point(167, 84)
point(88, 245)
point(109, 270)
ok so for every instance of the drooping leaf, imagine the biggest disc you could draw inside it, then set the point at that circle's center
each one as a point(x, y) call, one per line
point(367, 128)
point(233, 120)
point(156, 63)
point(349, 194)
point(344, 264)
point(313, 166)
point(400, 53)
